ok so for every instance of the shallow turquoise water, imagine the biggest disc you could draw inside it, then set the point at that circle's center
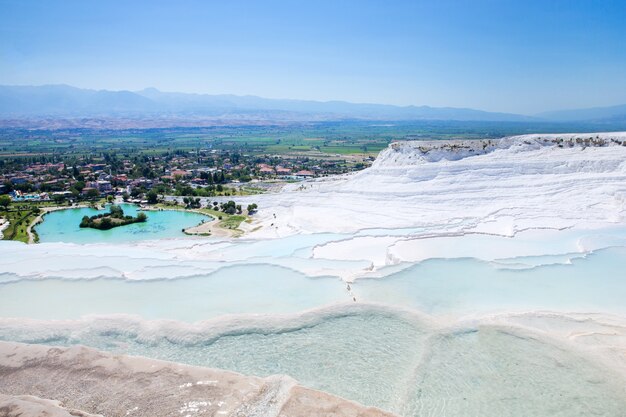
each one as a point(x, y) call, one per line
point(385, 359)
point(63, 226)
point(379, 356)
point(244, 289)
point(437, 287)
point(440, 286)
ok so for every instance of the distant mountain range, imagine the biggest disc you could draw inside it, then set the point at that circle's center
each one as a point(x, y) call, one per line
point(600, 114)
point(67, 101)
point(63, 101)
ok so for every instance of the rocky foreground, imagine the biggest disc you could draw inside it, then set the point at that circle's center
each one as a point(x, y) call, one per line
point(39, 380)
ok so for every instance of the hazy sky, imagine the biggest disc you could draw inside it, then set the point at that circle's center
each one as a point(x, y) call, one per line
point(521, 56)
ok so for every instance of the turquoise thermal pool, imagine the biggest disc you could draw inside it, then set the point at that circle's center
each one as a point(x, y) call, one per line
point(63, 226)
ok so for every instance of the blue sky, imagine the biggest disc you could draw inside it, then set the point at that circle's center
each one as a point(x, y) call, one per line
point(513, 56)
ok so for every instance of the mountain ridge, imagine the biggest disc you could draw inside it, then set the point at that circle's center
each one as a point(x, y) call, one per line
point(64, 100)
point(603, 113)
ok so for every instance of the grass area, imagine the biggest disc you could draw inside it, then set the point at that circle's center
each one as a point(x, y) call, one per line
point(229, 190)
point(29, 205)
point(351, 150)
point(213, 213)
point(228, 221)
point(19, 219)
point(232, 222)
point(245, 190)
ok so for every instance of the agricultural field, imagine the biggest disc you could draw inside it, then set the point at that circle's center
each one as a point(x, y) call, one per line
point(314, 139)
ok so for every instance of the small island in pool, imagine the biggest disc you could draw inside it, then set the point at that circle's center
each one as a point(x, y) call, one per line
point(114, 218)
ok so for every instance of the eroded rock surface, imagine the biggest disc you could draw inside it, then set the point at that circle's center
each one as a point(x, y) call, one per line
point(28, 405)
point(81, 378)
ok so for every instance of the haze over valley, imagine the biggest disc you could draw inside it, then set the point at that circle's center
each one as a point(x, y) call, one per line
point(63, 101)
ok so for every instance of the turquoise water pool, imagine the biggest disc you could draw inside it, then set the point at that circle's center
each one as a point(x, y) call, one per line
point(438, 287)
point(63, 226)
point(223, 304)
point(241, 289)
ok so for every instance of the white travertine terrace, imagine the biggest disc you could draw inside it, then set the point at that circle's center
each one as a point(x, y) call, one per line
point(500, 186)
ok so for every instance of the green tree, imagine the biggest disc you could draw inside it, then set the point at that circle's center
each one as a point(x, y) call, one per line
point(58, 198)
point(5, 201)
point(141, 217)
point(230, 207)
point(8, 186)
point(85, 221)
point(93, 193)
point(152, 197)
point(117, 212)
point(137, 191)
point(105, 223)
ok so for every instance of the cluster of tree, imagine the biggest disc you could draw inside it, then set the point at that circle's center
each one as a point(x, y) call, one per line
point(114, 218)
point(25, 187)
point(116, 212)
point(192, 202)
point(241, 175)
point(138, 192)
point(5, 201)
point(215, 178)
point(93, 193)
point(209, 191)
point(152, 197)
point(229, 207)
